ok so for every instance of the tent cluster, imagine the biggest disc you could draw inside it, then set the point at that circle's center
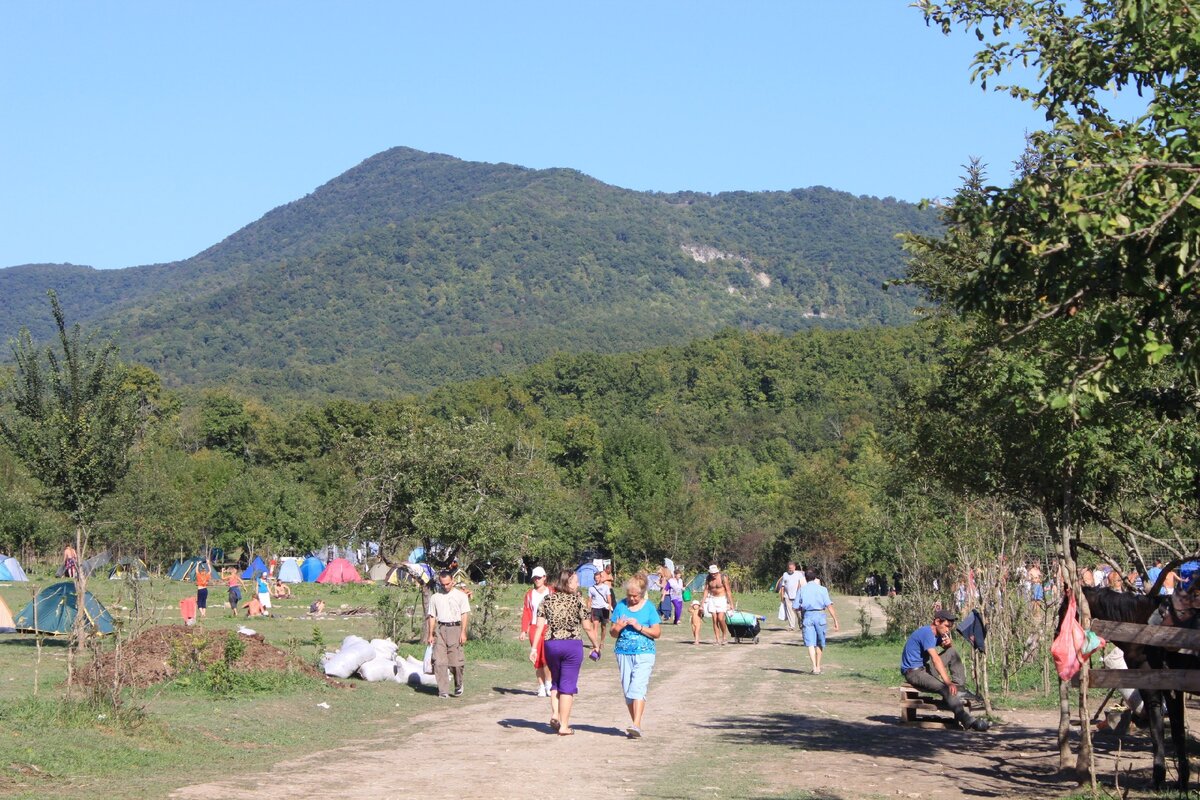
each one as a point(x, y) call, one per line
point(186, 569)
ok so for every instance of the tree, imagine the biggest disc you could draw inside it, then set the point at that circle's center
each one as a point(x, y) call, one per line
point(1104, 221)
point(72, 425)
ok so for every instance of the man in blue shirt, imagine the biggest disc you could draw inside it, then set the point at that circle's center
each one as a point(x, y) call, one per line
point(813, 599)
point(936, 672)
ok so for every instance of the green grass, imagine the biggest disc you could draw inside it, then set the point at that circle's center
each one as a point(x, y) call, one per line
point(170, 734)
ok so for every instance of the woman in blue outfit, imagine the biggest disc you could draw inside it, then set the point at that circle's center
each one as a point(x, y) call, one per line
point(635, 626)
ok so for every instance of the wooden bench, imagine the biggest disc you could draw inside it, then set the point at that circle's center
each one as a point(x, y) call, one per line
point(913, 700)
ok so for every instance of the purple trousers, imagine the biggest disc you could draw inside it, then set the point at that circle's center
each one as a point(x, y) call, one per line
point(564, 657)
point(678, 610)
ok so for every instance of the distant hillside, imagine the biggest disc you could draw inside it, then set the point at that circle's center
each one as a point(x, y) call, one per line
point(413, 270)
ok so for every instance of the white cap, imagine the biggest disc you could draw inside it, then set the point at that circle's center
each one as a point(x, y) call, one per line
point(714, 569)
point(538, 572)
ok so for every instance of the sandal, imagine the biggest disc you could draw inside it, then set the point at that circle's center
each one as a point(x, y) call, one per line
point(566, 732)
point(555, 725)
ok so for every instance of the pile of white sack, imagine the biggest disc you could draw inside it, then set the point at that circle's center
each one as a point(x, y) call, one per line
point(375, 661)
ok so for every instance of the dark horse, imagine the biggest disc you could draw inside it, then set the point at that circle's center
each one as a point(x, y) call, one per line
point(1121, 607)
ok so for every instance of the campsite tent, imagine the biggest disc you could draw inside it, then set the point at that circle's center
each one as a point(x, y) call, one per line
point(5, 575)
point(55, 608)
point(186, 569)
point(90, 565)
point(379, 572)
point(311, 569)
point(696, 585)
point(15, 569)
point(587, 575)
point(340, 571)
point(6, 618)
point(289, 570)
point(256, 568)
point(129, 567)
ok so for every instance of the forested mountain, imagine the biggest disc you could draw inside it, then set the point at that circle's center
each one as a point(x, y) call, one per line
point(413, 270)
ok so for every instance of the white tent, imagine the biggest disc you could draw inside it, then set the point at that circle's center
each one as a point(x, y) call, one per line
point(14, 568)
point(289, 570)
point(379, 572)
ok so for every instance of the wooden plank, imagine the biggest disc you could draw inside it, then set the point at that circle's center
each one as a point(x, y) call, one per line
point(1156, 635)
point(1187, 680)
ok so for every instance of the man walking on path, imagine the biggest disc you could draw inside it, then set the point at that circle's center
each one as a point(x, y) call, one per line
point(449, 614)
point(814, 600)
point(718, 599)
point(939, 673)
point(788, 587)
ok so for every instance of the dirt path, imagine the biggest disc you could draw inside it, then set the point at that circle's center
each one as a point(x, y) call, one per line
point(721, 721)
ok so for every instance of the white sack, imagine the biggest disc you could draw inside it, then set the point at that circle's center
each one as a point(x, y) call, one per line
point(354, 652)
point(379, 669)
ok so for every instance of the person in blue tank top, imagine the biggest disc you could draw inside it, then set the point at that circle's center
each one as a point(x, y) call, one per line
point(635, 626)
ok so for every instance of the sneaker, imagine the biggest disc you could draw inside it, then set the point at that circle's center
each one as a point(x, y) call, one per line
point(542, 691)
point(458, 692)
point(980, 725)
point(633, 732)
point(445, 696)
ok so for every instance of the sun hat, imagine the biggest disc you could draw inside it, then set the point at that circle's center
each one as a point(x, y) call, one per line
point(538, 572)
point(713, 569)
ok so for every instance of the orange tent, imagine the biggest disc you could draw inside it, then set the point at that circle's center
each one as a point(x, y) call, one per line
point(339, 571)
point(6, 618)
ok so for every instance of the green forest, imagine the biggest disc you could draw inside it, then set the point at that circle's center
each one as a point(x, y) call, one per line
point(414, 270)
point(741, 447)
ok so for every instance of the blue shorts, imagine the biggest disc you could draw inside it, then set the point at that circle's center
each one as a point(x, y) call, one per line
point(635, 674)
point(814, 628)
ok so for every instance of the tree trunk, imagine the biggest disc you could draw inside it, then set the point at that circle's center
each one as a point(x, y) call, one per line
point(79, 627)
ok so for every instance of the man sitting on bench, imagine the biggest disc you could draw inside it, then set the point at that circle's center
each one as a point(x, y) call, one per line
point(939, 673)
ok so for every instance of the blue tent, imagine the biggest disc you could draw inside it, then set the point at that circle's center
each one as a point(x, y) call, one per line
point(5, 575)
point(311, 569)
point(56, 607)
point(256, 568)
point(587, 575)
point(289, 571)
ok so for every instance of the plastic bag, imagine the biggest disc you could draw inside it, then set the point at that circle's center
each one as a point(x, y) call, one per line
point(427, 664)
point(354, 652)
point(782, 612)
point(687, 595)
point(378, 669)
point(1067, 643)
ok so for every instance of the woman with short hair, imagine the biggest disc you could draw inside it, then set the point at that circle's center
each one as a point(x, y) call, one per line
point(635, 627)
point(560, 619)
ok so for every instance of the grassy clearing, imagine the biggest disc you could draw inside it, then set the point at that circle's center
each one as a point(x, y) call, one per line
point(174, 733)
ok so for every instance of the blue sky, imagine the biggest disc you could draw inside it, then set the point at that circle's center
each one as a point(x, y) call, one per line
point(137, 133)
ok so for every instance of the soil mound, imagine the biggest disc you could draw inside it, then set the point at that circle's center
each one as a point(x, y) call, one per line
point(161, 653)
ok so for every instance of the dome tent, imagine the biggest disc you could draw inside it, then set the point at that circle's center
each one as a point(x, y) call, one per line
point(379, 572)
point(53, 611)
point(289, 570)
point(340, 571)
point(129, 567)
point(311, 569)
point(5, 575)
point(256, 568)
point(14, 569)
point(186, 570)
point(587, 575)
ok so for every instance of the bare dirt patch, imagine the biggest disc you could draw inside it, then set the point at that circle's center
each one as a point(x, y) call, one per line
point(161, 653)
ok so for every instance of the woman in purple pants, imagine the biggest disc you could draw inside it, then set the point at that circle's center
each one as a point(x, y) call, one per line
point(561, 619)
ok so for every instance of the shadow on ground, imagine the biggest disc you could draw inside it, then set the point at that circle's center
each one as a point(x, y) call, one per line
point(1007, 762)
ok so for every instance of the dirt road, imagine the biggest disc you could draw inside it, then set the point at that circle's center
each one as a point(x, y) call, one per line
point(734, 721)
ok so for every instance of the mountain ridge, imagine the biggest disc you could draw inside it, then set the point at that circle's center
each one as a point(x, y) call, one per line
point(413, 269)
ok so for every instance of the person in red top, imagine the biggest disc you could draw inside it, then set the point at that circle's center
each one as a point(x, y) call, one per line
point(203, 576)
point(533, 600)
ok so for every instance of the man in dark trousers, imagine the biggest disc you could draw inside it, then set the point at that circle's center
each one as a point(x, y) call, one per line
point(930, 663)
